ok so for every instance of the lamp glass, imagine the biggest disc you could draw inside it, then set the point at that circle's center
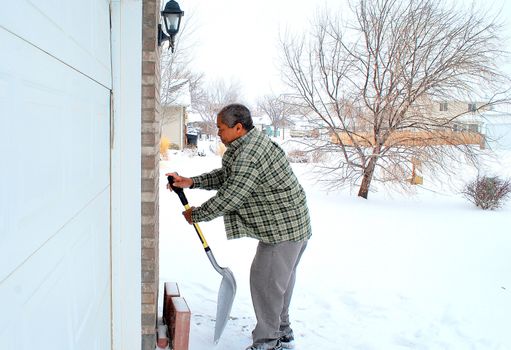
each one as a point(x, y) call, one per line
point(172, 22)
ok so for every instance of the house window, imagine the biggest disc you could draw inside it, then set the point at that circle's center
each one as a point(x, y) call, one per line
point(473, 127)
point(472, 107)
point(443, 106)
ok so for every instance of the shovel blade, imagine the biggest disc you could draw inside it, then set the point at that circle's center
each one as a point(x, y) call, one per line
point(226, 295)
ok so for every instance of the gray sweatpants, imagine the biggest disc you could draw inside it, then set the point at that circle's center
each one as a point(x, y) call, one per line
point(272, 279)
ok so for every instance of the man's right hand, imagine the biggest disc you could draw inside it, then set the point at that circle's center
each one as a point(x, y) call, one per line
point(179, 181)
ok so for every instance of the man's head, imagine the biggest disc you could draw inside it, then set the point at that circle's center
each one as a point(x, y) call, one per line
point(233, 121)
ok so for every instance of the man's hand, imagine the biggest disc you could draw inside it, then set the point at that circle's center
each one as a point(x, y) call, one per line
point(188, 215)
point(179, 181)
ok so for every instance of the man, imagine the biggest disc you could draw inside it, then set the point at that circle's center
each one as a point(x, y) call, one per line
point(260, 197)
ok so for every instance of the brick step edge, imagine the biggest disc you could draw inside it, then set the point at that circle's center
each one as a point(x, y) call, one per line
point(176, 315)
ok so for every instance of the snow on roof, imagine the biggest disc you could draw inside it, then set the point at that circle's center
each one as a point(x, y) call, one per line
point(194, 117)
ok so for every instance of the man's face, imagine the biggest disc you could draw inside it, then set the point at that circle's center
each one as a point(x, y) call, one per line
point(227, 134)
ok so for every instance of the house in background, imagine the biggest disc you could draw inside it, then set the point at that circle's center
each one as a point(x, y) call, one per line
point(80, 132)
point(455, 123)
point(493, 125)
point(263, 123)
point(174, 114)
point(303, 126)
point(470, 114)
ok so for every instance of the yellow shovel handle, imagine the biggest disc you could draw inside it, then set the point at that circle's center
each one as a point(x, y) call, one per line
point(199, 232)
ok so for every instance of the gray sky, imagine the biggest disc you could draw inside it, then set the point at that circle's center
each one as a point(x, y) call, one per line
point(238, 39)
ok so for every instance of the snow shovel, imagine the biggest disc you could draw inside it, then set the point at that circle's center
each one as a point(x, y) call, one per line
point(227, 289)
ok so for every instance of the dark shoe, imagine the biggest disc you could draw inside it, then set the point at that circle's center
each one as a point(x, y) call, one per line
point(265, 347)
point(287, 341)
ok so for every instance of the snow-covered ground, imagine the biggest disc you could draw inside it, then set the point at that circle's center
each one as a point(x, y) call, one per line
point(393, 272)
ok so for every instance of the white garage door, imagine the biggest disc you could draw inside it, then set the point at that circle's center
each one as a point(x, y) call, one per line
point(55, 84)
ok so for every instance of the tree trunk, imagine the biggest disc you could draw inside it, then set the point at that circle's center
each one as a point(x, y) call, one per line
point(366, 179)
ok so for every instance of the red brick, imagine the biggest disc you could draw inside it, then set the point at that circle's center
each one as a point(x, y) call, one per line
point(170, 290)
point(181, 326)
point(163, 339)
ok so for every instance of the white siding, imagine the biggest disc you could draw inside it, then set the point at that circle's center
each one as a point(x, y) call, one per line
point(126, 170)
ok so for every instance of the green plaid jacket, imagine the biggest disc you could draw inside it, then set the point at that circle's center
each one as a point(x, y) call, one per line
point(257, 193)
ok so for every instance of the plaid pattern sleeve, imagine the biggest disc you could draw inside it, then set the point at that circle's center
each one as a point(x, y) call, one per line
point(233, 193)
point(209, 181)
point(258, 194)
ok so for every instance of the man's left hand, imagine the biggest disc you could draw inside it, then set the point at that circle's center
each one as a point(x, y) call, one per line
point(188, 215)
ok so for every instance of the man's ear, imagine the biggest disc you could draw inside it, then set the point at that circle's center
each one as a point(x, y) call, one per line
point(239, 127)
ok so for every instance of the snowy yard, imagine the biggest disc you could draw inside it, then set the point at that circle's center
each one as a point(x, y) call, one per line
point(393, 272)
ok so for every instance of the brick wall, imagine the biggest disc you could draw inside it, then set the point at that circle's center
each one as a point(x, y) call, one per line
point(150, 171)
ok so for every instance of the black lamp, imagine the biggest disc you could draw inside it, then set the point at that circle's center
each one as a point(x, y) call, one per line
point(172, 18)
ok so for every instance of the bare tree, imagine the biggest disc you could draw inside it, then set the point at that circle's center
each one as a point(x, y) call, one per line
point(175, 67)
point(373, 83)
point(278, 109)
point(215, 96)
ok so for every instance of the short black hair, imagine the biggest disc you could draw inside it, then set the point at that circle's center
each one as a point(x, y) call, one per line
point(236, 113)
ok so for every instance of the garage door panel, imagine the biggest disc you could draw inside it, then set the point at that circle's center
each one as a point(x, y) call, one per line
point(55, 187)
point(43, 303)
point(60, 161)
point(75, 32)
point(62, 281)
